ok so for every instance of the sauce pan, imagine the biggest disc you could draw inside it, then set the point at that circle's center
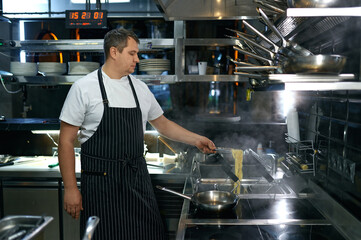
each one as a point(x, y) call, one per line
point(211, 201)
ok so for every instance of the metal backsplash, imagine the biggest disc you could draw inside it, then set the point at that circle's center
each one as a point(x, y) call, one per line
point(333, 121)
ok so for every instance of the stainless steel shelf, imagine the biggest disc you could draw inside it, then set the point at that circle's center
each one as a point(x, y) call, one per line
point(87, 45)
point(212, 78)
point(322, 86)
point(70, 79)
point(315, 82)
point(209, 42)
point(324, 12)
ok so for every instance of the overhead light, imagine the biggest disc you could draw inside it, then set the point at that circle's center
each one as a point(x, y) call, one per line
point(324, 12)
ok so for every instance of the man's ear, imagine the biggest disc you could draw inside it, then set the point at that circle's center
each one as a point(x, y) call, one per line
point(113, 52)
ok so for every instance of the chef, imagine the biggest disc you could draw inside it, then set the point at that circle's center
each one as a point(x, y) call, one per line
point(110, 107)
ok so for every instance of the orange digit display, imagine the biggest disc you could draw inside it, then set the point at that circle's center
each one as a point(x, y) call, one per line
point(86, 19)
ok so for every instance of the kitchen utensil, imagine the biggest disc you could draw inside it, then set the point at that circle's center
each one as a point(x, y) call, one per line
point(154, 165)
point(227, 168)
point(240, 63)
point(322, 63)
point(263, 59)
point(53, 165)
point(13, 227)
point(270, 52)
point(276, 48)
point(294, 47)
point(270, 7)
point(6, 164)
point(211, 201)
point(90, 227)
point(166, 144)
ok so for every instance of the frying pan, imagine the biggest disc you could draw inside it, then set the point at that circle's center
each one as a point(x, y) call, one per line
point(210, 201)
point(294, 47)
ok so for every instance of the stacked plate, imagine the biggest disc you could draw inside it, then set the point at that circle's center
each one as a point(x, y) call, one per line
point(81, 68)
point(24, 68)
point(52, 68)
point(154, 66)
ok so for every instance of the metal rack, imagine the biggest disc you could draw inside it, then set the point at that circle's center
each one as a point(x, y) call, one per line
point(300, 156)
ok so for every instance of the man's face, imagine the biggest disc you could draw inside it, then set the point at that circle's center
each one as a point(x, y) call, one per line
point(128, 58)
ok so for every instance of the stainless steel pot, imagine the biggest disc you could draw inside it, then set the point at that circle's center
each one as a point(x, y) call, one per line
point(210, 201)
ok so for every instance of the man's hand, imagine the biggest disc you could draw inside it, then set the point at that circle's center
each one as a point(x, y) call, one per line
point(73, 202)
point(205, 145)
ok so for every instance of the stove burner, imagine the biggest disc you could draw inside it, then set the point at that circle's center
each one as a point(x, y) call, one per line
point(201, 214)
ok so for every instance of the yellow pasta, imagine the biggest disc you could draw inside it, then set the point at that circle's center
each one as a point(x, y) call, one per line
point(238, 163)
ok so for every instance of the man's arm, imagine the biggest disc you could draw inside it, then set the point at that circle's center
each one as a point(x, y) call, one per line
point(177, 133)
point(72, 196)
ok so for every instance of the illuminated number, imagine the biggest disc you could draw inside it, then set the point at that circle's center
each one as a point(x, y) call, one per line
point(96, 15)
point(74, 15)
point(101, 15)
point(83, 15)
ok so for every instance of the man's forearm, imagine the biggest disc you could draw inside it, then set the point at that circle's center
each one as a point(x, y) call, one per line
point(67, 164)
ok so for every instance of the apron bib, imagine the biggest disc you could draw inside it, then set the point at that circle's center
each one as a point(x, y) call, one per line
point(115, 183)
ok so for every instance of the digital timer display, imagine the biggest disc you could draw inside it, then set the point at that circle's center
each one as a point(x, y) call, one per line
point(86, 19)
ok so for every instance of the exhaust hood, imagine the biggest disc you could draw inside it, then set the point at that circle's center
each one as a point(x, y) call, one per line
point(206, 9)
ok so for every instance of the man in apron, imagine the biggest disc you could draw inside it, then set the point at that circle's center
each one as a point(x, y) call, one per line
point(111, 109)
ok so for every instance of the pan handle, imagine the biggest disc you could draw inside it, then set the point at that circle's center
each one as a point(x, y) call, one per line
point(253, 55)
point(174, 192)
point(240, 63)
point(275, 47)
point(251, 75)
point(271, 53)
point(257, 68)
point(273, 27)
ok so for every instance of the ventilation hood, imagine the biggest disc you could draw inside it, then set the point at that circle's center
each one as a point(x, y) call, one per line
point(206, 9)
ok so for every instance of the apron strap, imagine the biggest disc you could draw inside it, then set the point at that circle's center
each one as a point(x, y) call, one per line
point(134, 93)
point(102, 88)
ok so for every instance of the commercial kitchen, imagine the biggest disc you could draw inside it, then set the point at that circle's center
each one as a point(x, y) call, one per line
point(275, 84)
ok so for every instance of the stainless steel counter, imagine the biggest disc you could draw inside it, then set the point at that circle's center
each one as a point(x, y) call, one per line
point(38, 167)
point(30, 187)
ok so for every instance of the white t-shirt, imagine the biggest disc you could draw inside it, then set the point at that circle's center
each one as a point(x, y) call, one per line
point(83, 105)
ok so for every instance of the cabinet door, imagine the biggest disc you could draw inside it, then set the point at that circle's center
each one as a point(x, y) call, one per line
point(34, 201)
point(40, 201)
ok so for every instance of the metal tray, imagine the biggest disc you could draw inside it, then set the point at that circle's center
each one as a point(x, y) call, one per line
point(24, 227)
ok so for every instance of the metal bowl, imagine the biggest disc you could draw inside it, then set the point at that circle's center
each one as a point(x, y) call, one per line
point(326, 64)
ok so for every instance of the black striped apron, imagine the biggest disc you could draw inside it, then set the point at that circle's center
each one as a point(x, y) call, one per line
point(115, 183)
